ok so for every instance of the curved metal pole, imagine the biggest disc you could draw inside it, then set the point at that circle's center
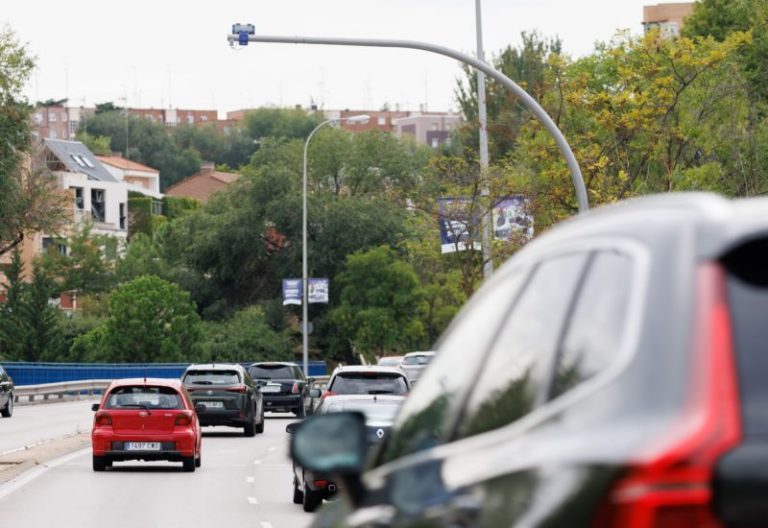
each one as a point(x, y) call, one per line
point(304, 270)
point(528, 101)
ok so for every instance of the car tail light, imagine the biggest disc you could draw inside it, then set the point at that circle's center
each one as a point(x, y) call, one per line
point(183, 418)
point(328, 393)
point(670, 485)
point(320, 483)
point(295, 388)
point(102, 419)
point(241, 388)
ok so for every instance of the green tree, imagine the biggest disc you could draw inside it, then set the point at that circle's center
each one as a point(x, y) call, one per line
point(380, 302)
point(12, 326)
point(99, 145)
point(287, 123)
point(150, 320)
point(246, 336)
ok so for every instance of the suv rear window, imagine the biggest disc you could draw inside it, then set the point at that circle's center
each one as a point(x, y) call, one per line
point(747, 285)
point(272, 372)
point(417, 360)
point(368, 383)
point(212, 377)
point(143, 397)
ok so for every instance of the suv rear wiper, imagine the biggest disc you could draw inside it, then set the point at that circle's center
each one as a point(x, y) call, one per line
point(381, 392)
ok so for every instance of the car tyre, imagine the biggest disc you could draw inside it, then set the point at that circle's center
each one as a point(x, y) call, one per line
point(301, 411)
point(260, 425)
point(99, 463)
point(249, 429)
point(298, 495)
point(7, 411)
point(311, 500)
point(189, 464)
point(199, 460)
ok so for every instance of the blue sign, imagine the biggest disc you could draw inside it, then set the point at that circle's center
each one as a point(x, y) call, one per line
point(459, 225)
point(291, 291)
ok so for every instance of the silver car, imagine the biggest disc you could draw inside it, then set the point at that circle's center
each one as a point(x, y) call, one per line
point(414, 363)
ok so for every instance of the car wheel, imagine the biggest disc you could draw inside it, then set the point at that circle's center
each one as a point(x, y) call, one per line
point(189, 464)
point(260, 425)
point(7, 411)
point(249, 429)
point(301, 412)
point(199, 460)
point(99, 463)
point(298, 495)
point(311, 499)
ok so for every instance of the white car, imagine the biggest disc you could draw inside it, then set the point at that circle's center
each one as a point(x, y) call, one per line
point(367, 379)
point(414, 364)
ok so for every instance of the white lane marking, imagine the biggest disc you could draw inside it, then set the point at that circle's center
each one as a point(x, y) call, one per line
point(250, 480)
point(252, 500)
point(272, 448)
point(266, 524)
point(28, 476)
point(257, 462)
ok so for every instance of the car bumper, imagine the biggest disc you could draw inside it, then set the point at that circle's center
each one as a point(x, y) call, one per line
point(173, 446)
point(235, 418)
point(282, 403)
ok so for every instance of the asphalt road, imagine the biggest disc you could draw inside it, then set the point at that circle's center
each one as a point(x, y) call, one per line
point(32, 424)
point(242, 482)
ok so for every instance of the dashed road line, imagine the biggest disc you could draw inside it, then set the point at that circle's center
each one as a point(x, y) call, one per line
point(257, 462)
point(252, 500)
point(266, 524)
point(273, 448)
point(250, 480)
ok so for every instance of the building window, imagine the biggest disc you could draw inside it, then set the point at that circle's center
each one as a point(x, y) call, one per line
point(190, 119)
point(73, 126)
point(204, 118)
point(49, 244)
point(52, 134)
point(52, 117)
point(122, 216)
point(435, 142)
point(157, 207)
point(38, 117)
point(98, 205)
point(79, 199)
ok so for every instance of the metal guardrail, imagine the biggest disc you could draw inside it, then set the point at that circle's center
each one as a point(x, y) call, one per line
point(46, 390)
point(90, 387)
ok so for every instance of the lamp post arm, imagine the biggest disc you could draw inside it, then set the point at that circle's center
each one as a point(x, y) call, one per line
point(523, 96)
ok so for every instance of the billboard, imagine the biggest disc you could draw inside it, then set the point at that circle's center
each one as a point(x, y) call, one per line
point(513, 218)
point(459, 225)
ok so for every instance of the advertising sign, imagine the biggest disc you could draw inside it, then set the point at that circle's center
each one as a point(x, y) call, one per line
point(317, 291)
point(512, 218)
point(291, 291)
point(459, 225)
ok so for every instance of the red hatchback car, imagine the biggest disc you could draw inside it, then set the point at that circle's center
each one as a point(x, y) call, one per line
point(146, 419)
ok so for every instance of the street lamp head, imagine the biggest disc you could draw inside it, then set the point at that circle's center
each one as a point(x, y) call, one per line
point(358, 119)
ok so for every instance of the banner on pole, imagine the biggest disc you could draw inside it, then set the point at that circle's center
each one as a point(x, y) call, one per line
point(459, 225)
point(291, 291)
point(513, 218)
point(317, 291)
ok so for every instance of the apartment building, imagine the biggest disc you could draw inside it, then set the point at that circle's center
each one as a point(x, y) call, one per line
point(667, 18)
point(203, 185)
point(431, 129)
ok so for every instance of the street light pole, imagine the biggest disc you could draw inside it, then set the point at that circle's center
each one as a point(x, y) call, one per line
point(243, 37)
point(487, 235)
point(362, 119)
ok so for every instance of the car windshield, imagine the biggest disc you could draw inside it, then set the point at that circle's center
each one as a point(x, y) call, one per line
point(271, 372)
point(390, 361)
point(211, 377)
point(417, 360)
point(143, 397)
point(379, 412)
point(368, 383)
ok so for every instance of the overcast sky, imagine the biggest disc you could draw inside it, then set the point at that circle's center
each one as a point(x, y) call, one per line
point(158, 53)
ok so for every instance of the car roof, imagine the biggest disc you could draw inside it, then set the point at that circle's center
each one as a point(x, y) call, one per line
point(368, 368)
point(162, 382)
point(215, 366)
point(272, 363)
point(421, 353)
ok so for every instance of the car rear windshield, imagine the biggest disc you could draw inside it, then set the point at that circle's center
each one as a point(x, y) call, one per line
point(747, 286)
point(272, 372)
point(143, 397)
point(417, 360)
point(368, 383)
point(211, 377)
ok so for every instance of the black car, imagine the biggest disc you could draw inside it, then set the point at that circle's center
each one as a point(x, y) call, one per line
point(6, 394)
point(310, 489)
point(610, 375)
point(285, 388)
point(230, 396)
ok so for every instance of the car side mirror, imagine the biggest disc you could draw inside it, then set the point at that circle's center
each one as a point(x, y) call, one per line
point(314, 393)
point(333, 444)
point(95, 407)
point(199, 407)
point(291, 427)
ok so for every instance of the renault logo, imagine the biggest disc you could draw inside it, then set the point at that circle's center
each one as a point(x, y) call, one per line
point(380, 433)
point(209, 392)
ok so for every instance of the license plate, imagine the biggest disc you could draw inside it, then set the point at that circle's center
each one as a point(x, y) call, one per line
point(142, 446)
point(214, 405)
point(270, 388)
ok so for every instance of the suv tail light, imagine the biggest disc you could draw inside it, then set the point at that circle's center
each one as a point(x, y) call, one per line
point(241, 388)
point(670, 484)
point(328, 393)
point(295, 388)
point(102, 419)
point(183, 418)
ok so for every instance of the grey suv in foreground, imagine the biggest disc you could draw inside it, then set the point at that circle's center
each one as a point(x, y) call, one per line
point(610, 375)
